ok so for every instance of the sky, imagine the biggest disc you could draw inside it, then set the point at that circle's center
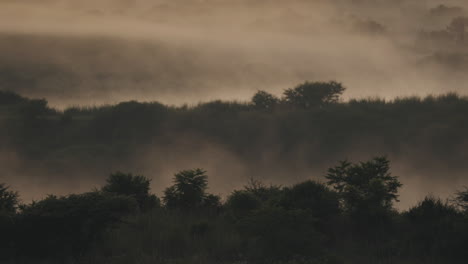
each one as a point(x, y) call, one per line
point(187, 51)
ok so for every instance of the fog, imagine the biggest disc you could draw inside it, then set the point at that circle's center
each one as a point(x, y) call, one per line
point(187, 51)
point(96, 52)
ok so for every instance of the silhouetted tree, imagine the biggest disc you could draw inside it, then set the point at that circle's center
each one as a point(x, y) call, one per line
point(8, 207)
point(189, 191)
point(136, 186)
point(264, 101)
point(270, 195)
point(461, 199)
point(367, 189)
point(8, 199)
point(313, 94)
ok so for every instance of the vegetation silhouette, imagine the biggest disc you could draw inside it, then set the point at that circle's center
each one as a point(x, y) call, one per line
point(309, 222)
point(8, 199)
point(348, 219)
point(367, 189)
point(461, 199)
point(313, 94)
point(136, 186)
point(189, 191)
point(265, 101)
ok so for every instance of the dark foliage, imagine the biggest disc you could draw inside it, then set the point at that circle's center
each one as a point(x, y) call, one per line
point(265, 101)
point(189, 191)
point(435, 230)
point(274, 232)
point(65, 227)
point(303, 223)
point(241, 203)
point(8, 207)
point(313, 94)
point(461, 200)
point(367, 189)
point(11, 98)
point(255, 195)
point(314, 197)
point(8, 200)
point(135, 186)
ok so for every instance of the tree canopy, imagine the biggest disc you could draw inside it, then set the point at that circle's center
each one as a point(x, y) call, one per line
point(8, 199)
point(313, 94)
point(366, 187)
point(189, 191)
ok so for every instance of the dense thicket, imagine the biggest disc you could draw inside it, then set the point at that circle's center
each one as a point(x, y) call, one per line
point(350, 219)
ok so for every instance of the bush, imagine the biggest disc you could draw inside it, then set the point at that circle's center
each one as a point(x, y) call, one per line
point(241, 203)
point(189, 191)
point(315, 197)
point(8, 206)
point(277, 233)
point(67, 226)
point(461, 200)
point(436, 230)
point(264, 101)
point(8, 200)
point(11, 98)
point(367, 189)
point(313, 94)
point(135, 186)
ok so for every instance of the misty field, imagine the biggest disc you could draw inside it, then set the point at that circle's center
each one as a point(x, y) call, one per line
point(233, 131)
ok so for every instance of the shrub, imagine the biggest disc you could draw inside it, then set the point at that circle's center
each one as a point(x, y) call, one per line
point(435, 230)
point(313, 94)
point(277, 233)
point(189, 191)
point(367, 189)
point(135, 186)
point(264, 101)
point(8, 199)
point(67, 226)
point(315, 197)
point(241, 203)
point(8, 206)
point(461, 200)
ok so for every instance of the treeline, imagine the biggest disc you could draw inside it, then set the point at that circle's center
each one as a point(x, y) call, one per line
point(350, 218)
point(308, 113)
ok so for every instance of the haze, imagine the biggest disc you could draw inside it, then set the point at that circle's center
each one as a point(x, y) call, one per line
point(81, 53)
point(175, 52)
